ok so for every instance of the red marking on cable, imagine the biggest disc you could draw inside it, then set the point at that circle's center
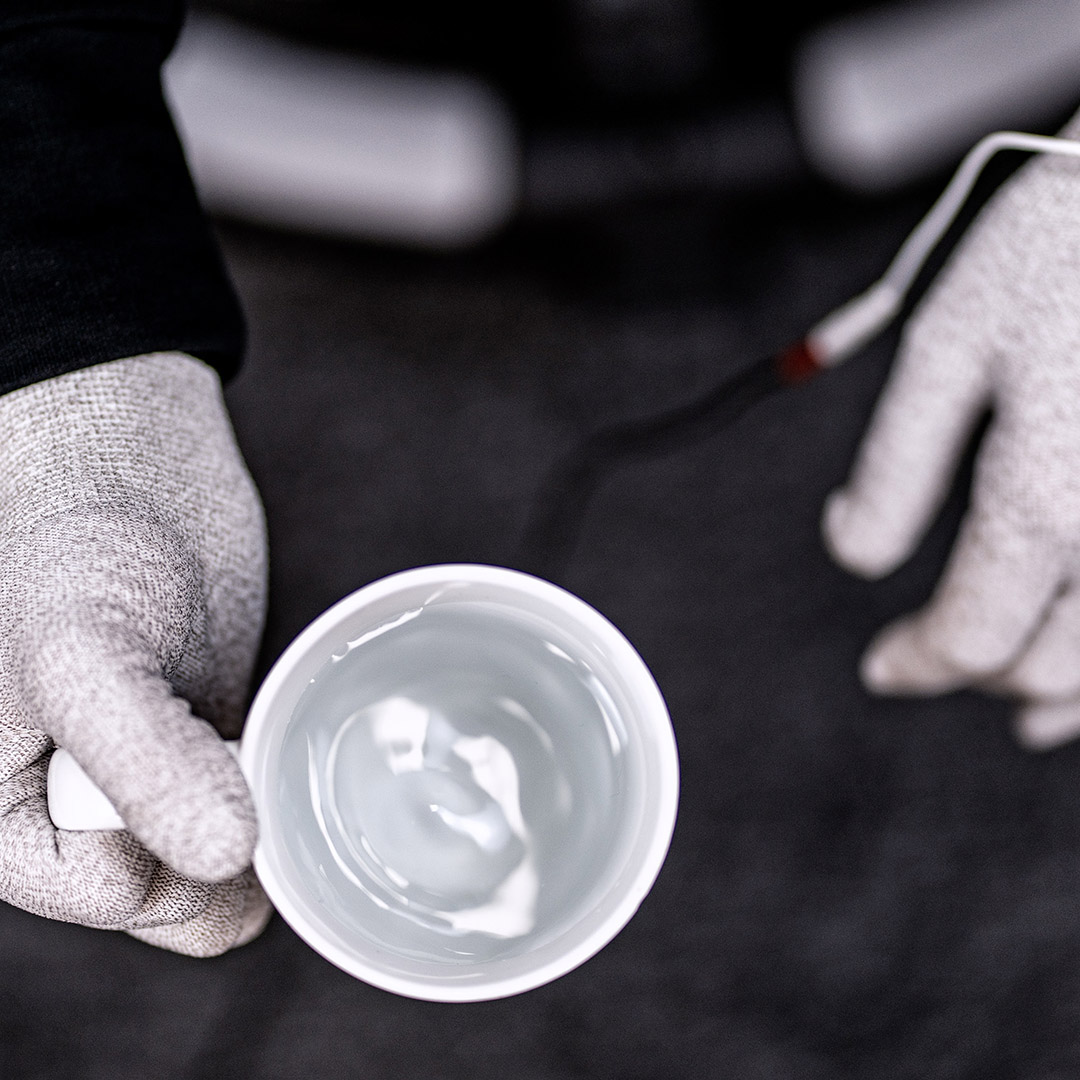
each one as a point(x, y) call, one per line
point(797, 363)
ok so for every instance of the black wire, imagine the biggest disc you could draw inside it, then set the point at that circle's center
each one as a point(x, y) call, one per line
point(559, 509)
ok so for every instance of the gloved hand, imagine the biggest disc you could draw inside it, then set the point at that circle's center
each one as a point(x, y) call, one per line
point(132, 593)
point(1000, 329)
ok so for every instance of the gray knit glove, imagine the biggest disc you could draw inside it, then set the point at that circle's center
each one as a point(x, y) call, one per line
point(1000, 330)
point(132, 591)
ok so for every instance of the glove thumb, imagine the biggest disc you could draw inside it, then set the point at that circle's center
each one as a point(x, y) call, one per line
point(102, 695)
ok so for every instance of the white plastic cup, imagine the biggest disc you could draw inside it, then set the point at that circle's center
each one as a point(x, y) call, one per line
point(466, 781)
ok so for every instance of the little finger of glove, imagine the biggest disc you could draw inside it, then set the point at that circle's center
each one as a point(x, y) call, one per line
point(935, 395)
point(1045, 725)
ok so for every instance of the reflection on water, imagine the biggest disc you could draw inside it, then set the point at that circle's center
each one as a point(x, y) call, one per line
point(454, 781)
point(431, 814)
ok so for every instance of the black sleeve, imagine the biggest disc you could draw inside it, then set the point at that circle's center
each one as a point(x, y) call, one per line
point(104, 251)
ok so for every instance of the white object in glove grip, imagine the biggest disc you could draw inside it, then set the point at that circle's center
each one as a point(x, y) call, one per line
point(1000, 330)
point(132, 597)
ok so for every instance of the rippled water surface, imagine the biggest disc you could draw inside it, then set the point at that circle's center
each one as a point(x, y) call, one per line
point(453, 781)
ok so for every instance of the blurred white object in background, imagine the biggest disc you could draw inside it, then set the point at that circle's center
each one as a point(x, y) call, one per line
point(894, 93)
point(288, 135)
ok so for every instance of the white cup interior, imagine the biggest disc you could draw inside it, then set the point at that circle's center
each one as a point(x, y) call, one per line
point(558, 814)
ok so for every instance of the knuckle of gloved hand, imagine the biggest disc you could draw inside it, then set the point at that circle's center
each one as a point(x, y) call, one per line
point(169, 899)
point(1029, 506)
point(976, 656)
point(95, 879)
point(60, 674)
point(214, 930)
point(197, 920)
point(24, 753)
point(97, 596)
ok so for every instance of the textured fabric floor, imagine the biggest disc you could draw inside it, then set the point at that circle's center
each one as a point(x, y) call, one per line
point(856, 888)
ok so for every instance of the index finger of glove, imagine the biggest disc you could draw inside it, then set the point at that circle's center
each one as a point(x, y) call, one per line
point(926, 413)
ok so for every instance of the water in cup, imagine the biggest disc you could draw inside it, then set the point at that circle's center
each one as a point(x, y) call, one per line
point(452, 782)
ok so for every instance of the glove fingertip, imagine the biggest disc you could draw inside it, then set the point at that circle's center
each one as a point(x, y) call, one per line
point(899, 662)
point(196, 815)
point(857, 539)
point(218, 847)
point(1043, 727)
point(876, 670)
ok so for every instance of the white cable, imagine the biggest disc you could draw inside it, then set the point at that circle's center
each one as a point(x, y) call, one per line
point(851, 326)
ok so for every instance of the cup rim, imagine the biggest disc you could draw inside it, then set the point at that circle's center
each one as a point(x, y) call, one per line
point(650, 848)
